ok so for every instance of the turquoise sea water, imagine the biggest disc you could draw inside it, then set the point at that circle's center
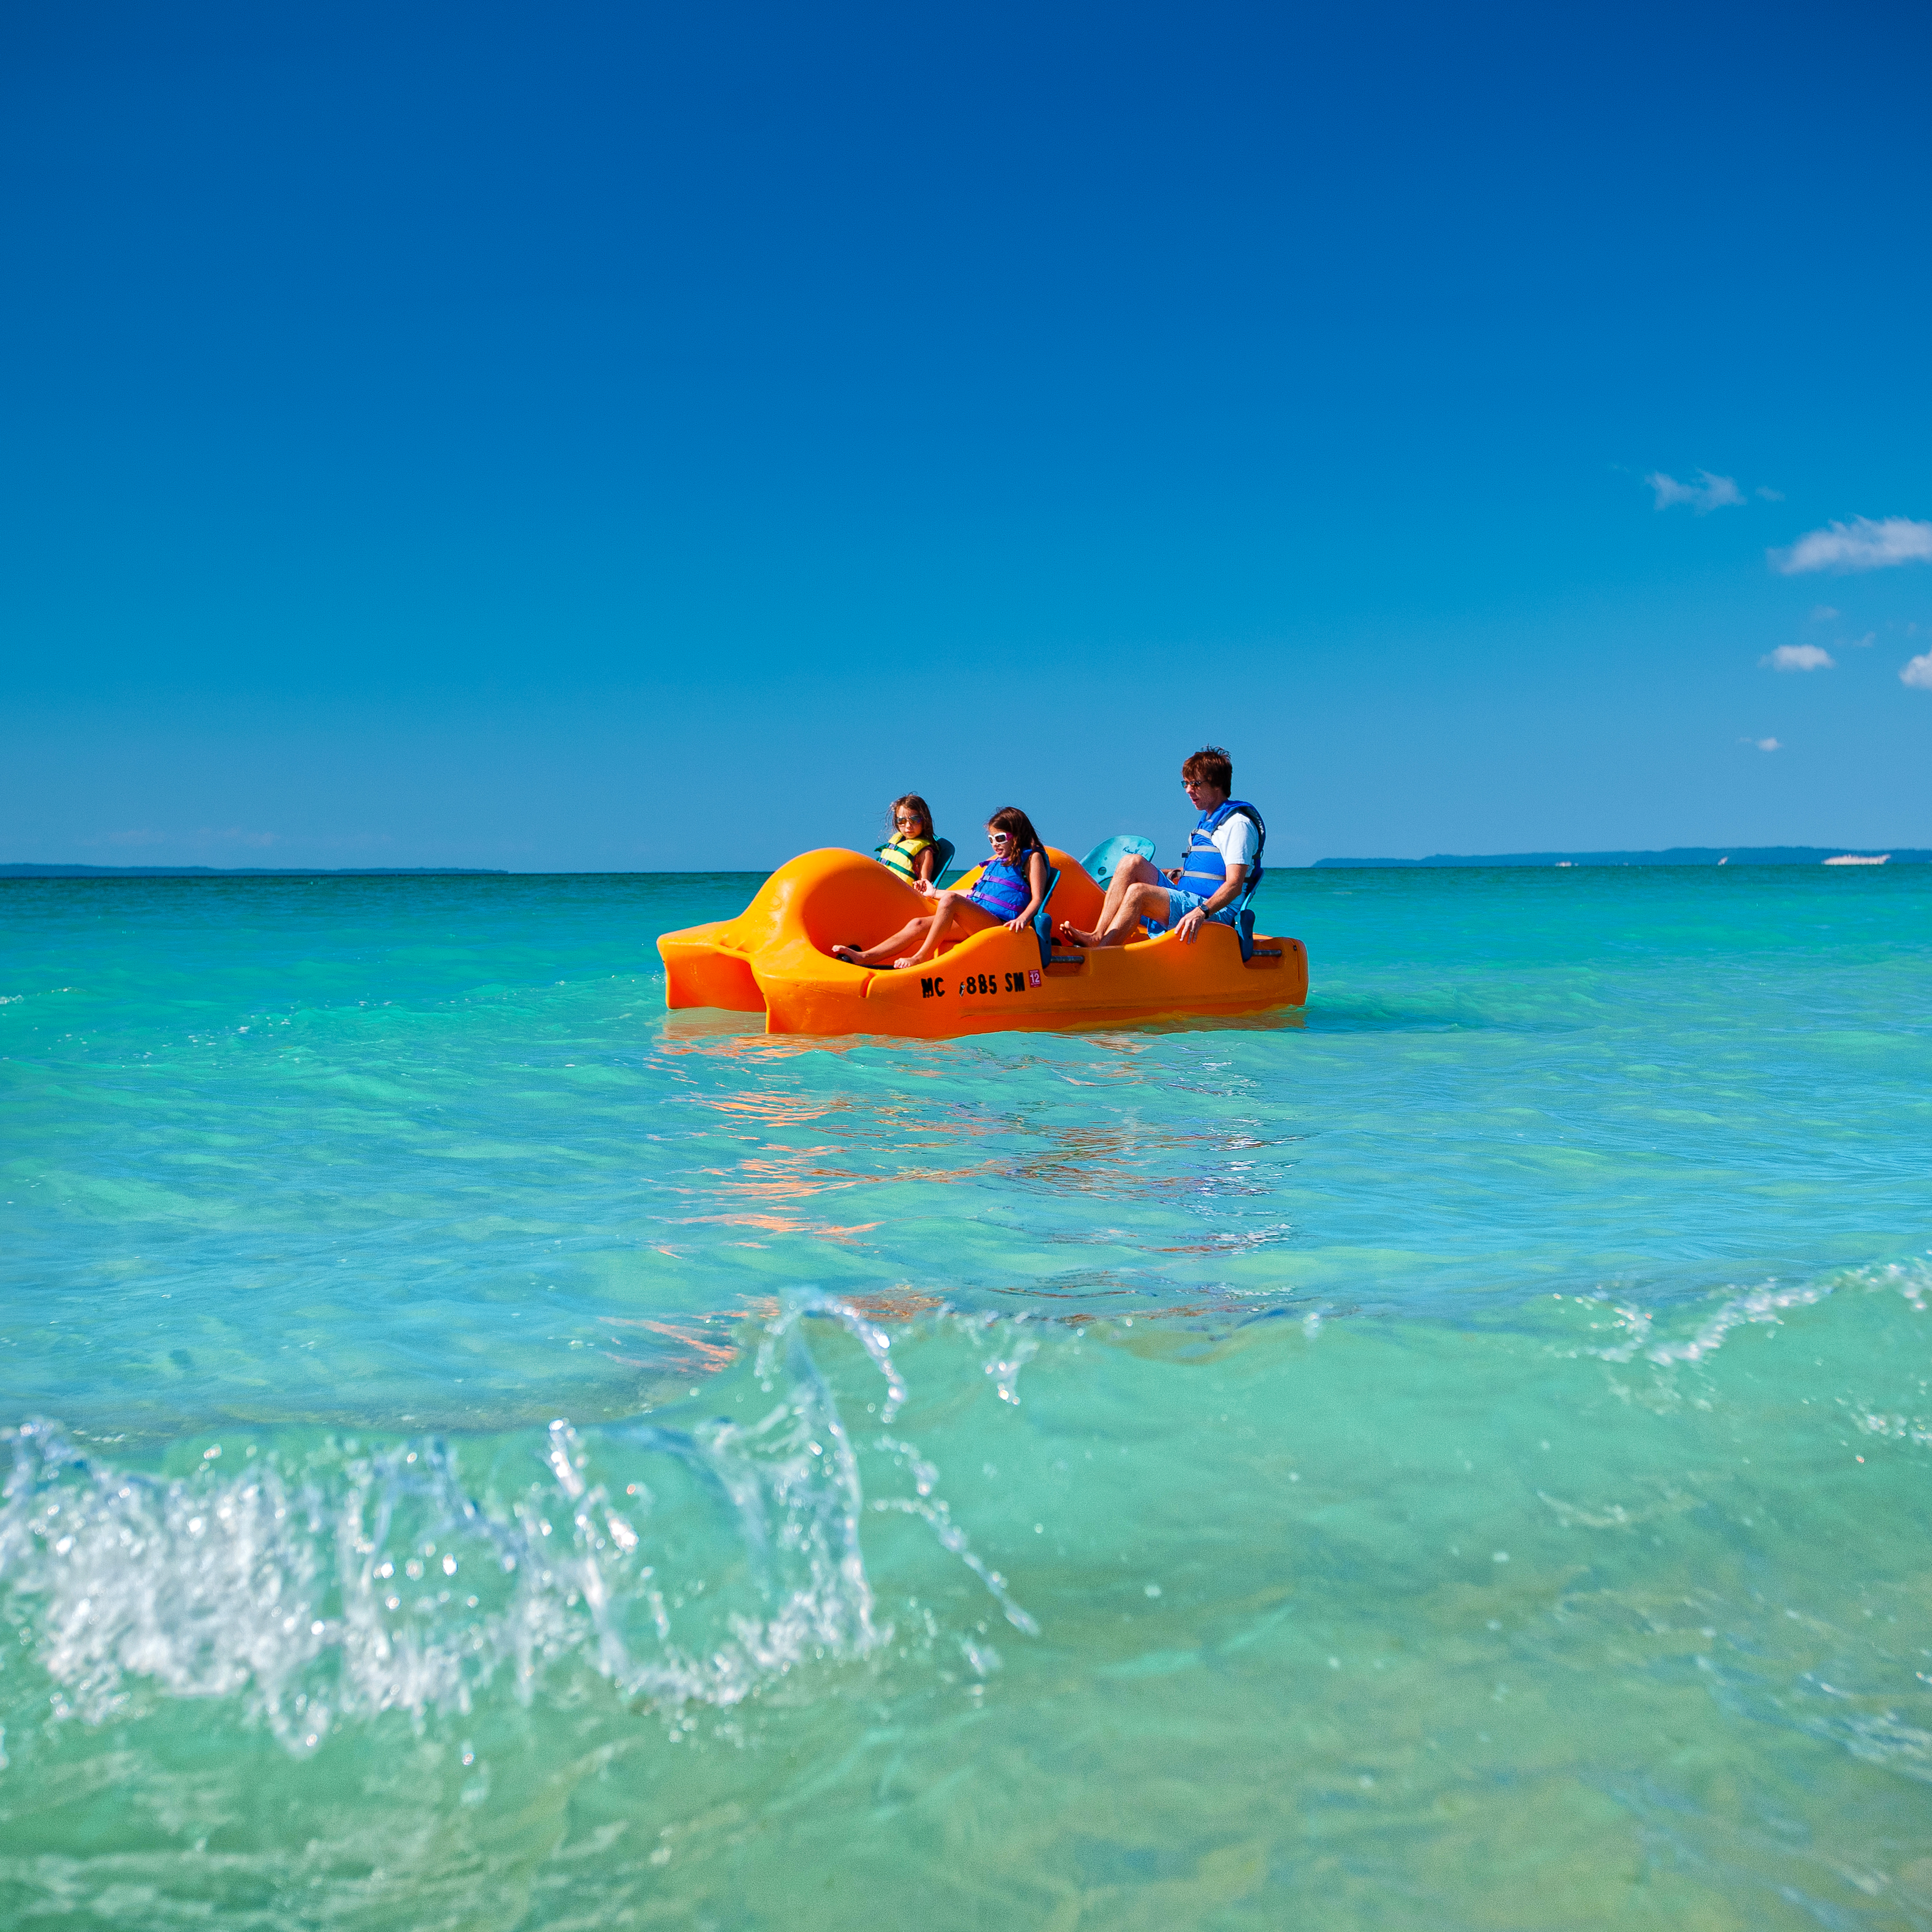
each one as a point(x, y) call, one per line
point(486, 1453)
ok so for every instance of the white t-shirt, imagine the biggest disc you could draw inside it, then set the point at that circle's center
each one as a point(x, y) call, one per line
point(1237, 838)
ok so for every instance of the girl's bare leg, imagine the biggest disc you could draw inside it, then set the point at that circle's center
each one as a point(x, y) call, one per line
point(923, 936)
point(935, 929)
point(886, 949)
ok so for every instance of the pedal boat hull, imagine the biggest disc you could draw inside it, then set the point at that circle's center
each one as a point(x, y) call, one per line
point(775, 958)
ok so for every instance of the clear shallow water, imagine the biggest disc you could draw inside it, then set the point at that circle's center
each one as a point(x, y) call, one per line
point(1394, 1463)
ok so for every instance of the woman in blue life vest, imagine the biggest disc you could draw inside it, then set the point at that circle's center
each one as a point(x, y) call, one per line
point(1221, 866)
point(911, 851)
point(1010, 889)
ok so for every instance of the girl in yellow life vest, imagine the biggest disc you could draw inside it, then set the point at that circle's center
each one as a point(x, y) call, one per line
point(909, 852)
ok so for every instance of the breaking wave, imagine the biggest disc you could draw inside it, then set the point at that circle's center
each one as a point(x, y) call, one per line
point(684, 1565)
point(1697, 1336)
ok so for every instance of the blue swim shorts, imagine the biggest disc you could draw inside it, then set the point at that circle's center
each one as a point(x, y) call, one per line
point(1180, 903)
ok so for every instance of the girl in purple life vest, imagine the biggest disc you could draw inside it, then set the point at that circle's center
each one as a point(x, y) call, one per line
point(1010, 889)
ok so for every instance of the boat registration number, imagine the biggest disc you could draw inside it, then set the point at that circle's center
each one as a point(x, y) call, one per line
point(934, 987)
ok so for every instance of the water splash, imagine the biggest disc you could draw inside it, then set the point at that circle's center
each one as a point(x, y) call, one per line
point(351, 1583)
point(1757, 1307)
point(1004, 1364)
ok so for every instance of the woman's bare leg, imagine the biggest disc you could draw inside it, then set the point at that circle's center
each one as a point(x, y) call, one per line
point(1137, 903)
point(1136, 872)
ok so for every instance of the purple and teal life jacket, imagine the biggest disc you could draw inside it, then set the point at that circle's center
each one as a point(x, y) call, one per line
point(1004, 888)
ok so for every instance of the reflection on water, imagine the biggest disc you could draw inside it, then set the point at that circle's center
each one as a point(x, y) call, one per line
point(1453, 1603)
point(1458, 1449)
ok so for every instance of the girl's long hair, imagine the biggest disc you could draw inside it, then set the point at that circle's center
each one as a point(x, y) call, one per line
point(1010, 819)
point(911, 802)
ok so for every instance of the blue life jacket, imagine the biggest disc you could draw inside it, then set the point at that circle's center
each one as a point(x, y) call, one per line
point(1203, 870)
point(1004, 888)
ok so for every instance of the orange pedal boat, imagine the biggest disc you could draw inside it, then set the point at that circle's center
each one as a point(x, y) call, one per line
point(774, 957)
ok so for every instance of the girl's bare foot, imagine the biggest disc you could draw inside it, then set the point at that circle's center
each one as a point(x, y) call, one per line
point(853, 955)
point(910, 959)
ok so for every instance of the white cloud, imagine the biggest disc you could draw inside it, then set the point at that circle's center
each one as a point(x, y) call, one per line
point(1917, 672)
point(1863, 544)
point(1770, 495)
point(1799, 657)
point(1822, 613)
point(1762, 744)
point(1865, 643)
point(1714, 493)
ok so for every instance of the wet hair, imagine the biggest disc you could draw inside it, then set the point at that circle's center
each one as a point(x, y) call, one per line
point(1210, 765)
point(1010, 819)
point(910, 801)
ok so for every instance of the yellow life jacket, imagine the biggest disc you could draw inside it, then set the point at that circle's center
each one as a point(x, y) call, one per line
point(899, 853)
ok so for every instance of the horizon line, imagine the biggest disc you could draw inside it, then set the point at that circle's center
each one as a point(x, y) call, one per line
point(1677, 856)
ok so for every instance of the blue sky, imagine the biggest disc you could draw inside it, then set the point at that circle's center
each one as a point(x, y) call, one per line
point(611, 437)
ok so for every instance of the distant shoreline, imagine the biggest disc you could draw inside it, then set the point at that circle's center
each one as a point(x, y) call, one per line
point(27, 871)
point(1675, 855)
point(1710, 856)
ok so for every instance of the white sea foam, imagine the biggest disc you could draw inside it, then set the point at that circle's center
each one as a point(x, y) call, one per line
point(1755, 1306)
point(358, 1583)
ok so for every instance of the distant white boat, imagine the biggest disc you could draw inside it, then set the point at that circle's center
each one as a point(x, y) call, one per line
point(1857, 859)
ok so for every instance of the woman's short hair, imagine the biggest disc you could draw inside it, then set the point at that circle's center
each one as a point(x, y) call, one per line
point(1210, 765)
